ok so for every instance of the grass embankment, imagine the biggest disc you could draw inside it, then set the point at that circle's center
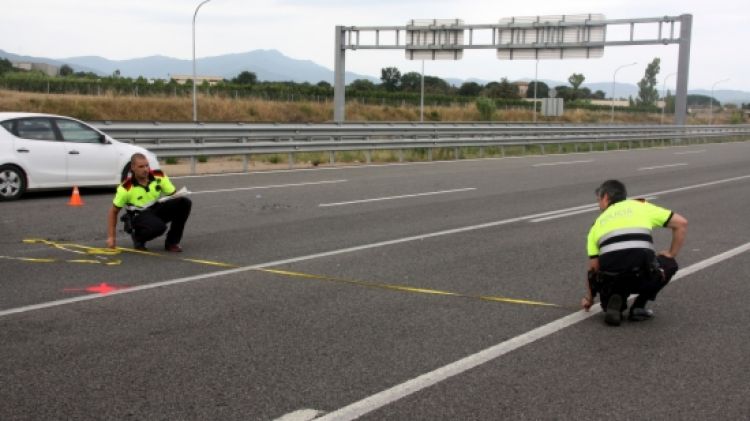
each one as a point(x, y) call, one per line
point(122, 108)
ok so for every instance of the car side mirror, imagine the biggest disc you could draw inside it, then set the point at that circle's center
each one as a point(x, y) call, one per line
point(103, 139)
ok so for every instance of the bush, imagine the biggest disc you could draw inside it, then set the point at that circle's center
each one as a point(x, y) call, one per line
point(486, 108)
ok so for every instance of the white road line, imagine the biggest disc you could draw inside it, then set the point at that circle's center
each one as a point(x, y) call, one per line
point(378, 199)
point(273, 186)
point(690, 152)
point(550, 164)
point(301, 415)
point(583, 209)
point(381, 399)
point(220, 273)
point(662, 166)
point(563, 215)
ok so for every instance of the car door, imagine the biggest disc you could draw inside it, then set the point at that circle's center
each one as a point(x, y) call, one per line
point(39, 152)
point(90, 160)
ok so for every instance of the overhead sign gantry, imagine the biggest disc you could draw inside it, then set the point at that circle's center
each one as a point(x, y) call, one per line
point(517, 38)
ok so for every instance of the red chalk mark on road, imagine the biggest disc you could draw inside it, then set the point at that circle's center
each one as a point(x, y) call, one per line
point(103, 288)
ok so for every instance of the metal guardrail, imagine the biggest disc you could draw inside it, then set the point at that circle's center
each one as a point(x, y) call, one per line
point(215, 139)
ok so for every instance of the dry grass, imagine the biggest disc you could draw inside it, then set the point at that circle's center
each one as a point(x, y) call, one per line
point(128, 108)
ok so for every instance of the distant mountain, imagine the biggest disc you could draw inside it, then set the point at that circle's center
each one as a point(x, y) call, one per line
point(271, 65)
point(268, 65)
point(29, 59)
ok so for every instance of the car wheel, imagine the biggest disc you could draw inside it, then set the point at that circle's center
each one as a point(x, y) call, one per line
point(125, 173)
point(12, 182)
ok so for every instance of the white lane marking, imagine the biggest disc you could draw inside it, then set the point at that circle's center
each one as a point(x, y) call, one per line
point(563, 215)
point(549, 164)
point(217, 274)
point(662, 166)
point(301, 415)
point(583, 209)
point(385, 397)
point(260, 172)
point(272, 186)
point(378, 199)
point(690, 152)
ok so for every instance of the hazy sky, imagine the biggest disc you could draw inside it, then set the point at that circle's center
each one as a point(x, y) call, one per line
point(126, 29)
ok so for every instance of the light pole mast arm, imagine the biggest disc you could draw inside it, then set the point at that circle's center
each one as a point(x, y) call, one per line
point(195, 106)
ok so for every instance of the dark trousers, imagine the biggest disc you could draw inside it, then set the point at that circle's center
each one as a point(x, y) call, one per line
point(152, 222)
point(646, 283)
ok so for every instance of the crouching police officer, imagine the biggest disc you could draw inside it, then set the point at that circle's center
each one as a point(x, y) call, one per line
point(621, 253)
point(146, 218)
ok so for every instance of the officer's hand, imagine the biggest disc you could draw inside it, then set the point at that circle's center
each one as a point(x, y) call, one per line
point(666, 253)
point(111, 242)
point(587, 302)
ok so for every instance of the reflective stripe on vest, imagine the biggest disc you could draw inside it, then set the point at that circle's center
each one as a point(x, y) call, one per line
point(628, 238)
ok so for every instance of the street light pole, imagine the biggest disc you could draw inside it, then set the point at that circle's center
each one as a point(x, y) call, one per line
point(711, 101)
point(614, 76)
point(421, 97)
point(664, 95)
point(536, 85)
point(195, 104)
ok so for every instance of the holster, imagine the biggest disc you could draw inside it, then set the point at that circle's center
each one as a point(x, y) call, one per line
point(128, 219)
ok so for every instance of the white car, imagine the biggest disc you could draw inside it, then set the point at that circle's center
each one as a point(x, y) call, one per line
point(44, 151)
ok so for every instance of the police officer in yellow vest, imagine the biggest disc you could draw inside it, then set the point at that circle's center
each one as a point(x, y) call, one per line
point(622, 260)
point(139, 194)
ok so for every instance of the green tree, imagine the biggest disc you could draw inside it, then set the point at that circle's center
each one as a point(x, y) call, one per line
point(543, 90)
point(411, 82)
point(507, 90)
point(470, 89)
point(391, 78)
point(599, 94)
point(362, 85)
point(66, 70)
point(5, 66)
point(323, 84)
point(246, 78)
point(565, 92)
point(435, 85)
point(647, 93)
point(575, 80)
point(486, 108)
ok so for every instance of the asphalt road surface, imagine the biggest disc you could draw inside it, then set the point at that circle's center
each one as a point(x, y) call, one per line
point(431, 291)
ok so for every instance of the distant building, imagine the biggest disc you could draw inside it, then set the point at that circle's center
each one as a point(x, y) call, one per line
point(523, 87)
point(45, 68)
point(183, 79)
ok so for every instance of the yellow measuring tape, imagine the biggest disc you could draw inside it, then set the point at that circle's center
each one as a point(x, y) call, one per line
point(100, 254)
point(408, 289)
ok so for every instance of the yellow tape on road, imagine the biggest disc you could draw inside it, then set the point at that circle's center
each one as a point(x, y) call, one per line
point(100, 252)
point(404, 288)
point(101, 255)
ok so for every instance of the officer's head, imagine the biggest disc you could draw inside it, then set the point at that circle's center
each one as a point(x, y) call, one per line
point(139, 165)
point(611, 191)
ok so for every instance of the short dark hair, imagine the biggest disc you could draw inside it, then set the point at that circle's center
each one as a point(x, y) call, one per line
point(614, 189)
point(137, 156)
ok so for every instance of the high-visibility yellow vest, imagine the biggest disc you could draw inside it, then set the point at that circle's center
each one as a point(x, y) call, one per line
point(626, 225)
point(132, 194)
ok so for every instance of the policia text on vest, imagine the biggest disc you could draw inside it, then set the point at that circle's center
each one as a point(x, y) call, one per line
point(147, 213)
point(622, 259)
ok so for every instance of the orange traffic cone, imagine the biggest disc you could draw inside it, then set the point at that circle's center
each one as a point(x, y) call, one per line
point(75, 198)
